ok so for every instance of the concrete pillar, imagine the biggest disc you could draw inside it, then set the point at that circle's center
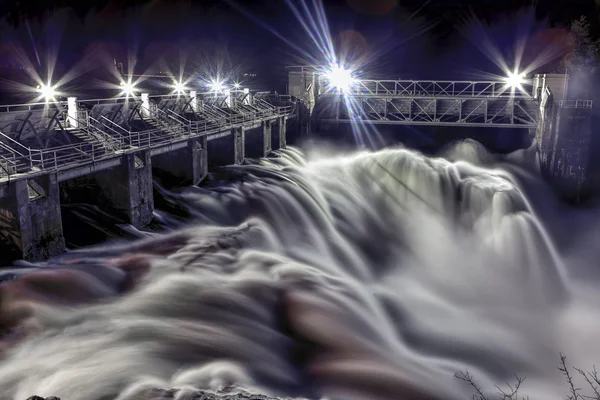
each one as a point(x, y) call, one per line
point(124, 190)
point(31, 219)
point(185, 166)
point(266, 128)
point(239, 145)
point(135, 198)
point(72, 112)
point(146, 105)
point(563, 139)
point(194, 102)
point(228, 97)
point(281, 132)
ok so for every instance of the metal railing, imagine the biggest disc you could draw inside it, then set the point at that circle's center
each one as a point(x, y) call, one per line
point(106, 137)
point(32, 106)
point(115, 127)
point(575, 103)
point(411, 88)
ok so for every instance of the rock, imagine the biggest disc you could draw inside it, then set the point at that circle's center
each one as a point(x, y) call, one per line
point(225, 393)
point(34, 397)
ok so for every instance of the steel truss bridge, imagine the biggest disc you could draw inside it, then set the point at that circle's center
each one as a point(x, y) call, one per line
point(48, 137)
point(441, 103)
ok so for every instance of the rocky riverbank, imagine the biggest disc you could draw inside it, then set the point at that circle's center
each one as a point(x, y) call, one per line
point(226, 393)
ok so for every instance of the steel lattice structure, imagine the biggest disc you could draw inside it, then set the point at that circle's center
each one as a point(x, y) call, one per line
point(422, 88)
point(500, 112)
point(441, 103)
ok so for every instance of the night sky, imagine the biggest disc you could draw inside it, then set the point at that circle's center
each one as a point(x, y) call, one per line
point(400, 38)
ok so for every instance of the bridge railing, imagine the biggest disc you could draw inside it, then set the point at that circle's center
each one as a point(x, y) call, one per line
point(107, 138)
point(112, 100)
point(32, 106)
point(63, 156)
point(113, 126)
point(575, 103)
point(412, 88)
point(171, 124)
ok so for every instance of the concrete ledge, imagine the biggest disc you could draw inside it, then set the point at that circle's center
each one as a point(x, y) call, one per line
point(219, 135)
point(81, 170)
point(155, 151)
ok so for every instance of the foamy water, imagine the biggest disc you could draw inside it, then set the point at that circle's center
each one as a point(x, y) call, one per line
point(364, 276)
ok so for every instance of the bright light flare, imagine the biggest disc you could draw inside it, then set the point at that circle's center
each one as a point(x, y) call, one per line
point(179, 87)
point(48, 92)
point(340, 78)
point(515, 80)
point(237, 86)
point(127, 88)
point(216, 86)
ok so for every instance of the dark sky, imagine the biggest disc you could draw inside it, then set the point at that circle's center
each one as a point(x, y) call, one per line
point(403, 37)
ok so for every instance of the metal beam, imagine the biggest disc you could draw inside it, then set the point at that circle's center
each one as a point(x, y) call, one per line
point(465, 124)
point(414, 88)
point(437, 110)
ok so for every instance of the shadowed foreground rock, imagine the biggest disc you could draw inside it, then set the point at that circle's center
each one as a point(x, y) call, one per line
point(226, 393)
point(41, 398)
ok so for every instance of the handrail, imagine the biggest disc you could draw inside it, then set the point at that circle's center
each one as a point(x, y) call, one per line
point(159, 111)
point(110, 140)
point(178, 117)
point(169, 96)
point(13, 159)
point(17, 143)
point(113, 100)
point(56, 158)
point(265, 103)
point(575, 103)
point(29, 105)
point(125, 131)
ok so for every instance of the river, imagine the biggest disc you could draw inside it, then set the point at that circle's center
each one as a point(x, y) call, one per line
point(356, 275)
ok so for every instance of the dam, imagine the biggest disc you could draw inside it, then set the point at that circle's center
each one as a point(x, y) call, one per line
point(56, 151)
point(108, 149)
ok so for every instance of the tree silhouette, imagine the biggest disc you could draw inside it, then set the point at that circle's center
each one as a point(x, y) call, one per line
point(583, 55)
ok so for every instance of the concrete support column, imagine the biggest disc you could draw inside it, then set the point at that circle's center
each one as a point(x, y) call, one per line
point(228, 97)
point(281, 132)
point(267, 147)
point(31, 219)
point(127, 189)
point(146, 105)
point(72, 112)
point(187, 166)
point(139, 204)
point(239, 145)
point(194, 102)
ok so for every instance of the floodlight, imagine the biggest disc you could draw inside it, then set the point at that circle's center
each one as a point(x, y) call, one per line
point(216, 86)
point(128, 88)
point(339, 78)
point(515, 80)
point(179, 87)
point(236, 85)
point(47, 91)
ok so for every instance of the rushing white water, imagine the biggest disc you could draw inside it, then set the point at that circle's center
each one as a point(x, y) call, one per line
point(365, 276)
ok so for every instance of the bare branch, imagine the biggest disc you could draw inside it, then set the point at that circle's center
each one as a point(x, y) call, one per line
point(514, 391)
point(592, 379)
point(465, 376)
point(574, 395)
